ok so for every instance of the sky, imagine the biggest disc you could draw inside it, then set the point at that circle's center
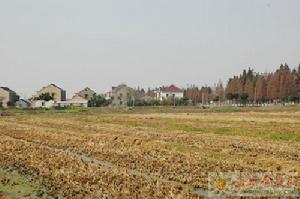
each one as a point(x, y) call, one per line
point(97, 43)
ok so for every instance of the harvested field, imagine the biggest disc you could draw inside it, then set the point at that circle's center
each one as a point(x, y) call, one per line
point(145, 153)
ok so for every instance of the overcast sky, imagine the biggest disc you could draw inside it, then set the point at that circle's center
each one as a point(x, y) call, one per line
point(148, 43)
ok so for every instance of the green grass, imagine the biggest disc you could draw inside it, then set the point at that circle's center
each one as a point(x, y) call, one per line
point(225, 124)
point(167, 109)
point(16, 185)
point(264, 135)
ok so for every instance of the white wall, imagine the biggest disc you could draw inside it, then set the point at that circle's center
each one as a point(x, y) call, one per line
point(162, 95)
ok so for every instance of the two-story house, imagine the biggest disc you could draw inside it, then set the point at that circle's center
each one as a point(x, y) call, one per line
point(121, 95)
point(57, 93)
point(8, 97)
point(86, 93)
point(169, 92)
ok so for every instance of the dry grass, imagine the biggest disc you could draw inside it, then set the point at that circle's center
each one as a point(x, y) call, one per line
point(146, 153)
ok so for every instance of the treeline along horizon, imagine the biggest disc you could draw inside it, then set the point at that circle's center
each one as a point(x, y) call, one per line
point(281, 85)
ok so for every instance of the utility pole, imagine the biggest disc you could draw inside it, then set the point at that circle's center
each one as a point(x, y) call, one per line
point(174, 101)
point(133, 101)
point(255, 95)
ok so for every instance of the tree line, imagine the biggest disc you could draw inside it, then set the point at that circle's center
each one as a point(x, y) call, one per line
point(283, 85)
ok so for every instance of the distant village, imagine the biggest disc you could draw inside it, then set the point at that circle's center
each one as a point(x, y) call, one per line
point(121, 95)
point(248, 88)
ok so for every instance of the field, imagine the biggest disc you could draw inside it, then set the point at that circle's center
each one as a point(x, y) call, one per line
point(141, 152)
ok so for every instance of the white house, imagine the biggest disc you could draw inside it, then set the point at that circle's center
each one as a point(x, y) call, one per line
point(169, 92)
point(108, 95)
point(42, 104)
point(76, 101)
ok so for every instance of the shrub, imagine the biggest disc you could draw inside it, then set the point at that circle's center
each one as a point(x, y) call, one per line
point(44, 96)
point(98, 101)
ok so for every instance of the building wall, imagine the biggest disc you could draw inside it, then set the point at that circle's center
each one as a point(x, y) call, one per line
point(22, 104)
point(76, 101)
point(58, 94)
point(7, 96)
point(122, 95)
point(166, 95)
point(4, 97)
point(108, 95)
point(86, 94)
point(38, 104)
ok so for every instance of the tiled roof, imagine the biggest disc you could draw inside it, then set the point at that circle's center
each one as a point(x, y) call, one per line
point(116, 88)
point(55, 86)
point(51, 85)
point(172, 89)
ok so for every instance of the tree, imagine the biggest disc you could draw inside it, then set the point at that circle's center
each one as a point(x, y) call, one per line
point(235, 85)
point(219, 92)
point(260, 89)
point(44, 96)
point(193, 93)
point(229, 96)
point(249, 88)
point(244, 98)
point(232, 96)
point(216, 99)
point(282, 85)
point(294, 98)
point(97, 101)
point(182, 101)
point(206, 94)
point(299, 69)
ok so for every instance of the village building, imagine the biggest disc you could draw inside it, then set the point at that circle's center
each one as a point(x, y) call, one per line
point(86, 93)
point(7, 97)
point(76, 101)
point(42, 104)
point(57, 93)
point(169, 92)
point(108, 95)
point(121, 95)
point(22, 104)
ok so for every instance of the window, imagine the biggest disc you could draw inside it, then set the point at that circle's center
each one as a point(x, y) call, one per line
point(86, 96)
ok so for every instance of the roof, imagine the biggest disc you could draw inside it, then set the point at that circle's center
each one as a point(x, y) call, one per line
point(85, 89)
point(27, 102)
point(171, 89)
point(115, 89)
point(56, 86)
point(77, 98)
point(5, 88)
point(53, 86)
